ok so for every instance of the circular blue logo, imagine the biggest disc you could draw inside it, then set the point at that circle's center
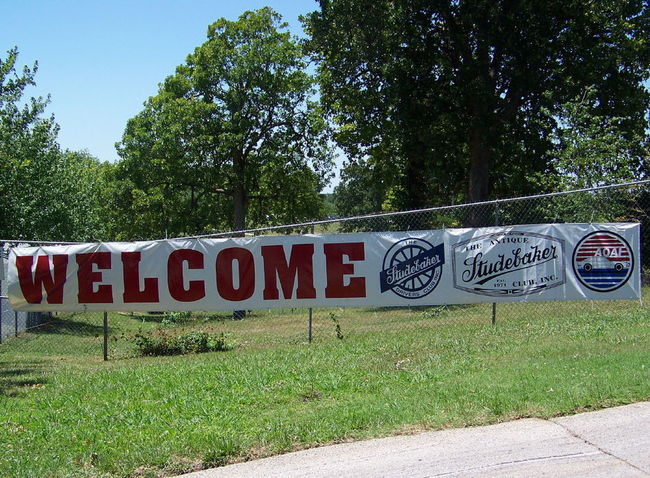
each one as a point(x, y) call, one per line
point(603, 261)
point(412, 268)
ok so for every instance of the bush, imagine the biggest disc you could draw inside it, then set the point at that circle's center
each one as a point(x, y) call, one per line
point(165, 343)
point(174, 318)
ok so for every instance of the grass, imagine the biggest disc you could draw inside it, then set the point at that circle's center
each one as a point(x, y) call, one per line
point(65, 413)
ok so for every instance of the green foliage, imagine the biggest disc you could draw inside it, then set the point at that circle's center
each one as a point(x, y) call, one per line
point(166, 343)
point(47, 194)
point(594, 149)
point(362, 189)
point(84, 190)
point(175, 318)
point(232, 139)
point(448, 101)
point(224, 449)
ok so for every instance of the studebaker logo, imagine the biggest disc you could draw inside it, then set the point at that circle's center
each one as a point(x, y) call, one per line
point(509, 263)
point(412, 268)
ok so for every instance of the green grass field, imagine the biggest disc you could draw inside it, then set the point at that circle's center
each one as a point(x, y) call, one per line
point(65, 413)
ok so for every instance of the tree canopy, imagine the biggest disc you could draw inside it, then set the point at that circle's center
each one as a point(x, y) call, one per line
point(465, 99)
point(47, 194)
point(591, 150)
point(232, 139)
point(432, 102)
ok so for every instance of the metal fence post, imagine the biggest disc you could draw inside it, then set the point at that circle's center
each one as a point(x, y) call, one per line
point(1, 298)
point(494, 304)
point(105, 336)
point(309, 324)
point(16, 322)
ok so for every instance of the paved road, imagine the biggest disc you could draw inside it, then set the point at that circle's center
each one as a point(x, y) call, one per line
point(607, 443)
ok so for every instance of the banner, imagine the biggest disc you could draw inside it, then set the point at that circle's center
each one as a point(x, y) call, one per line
point(452, 266)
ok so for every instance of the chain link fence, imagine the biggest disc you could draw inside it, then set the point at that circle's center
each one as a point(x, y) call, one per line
point(13, 323)
point(66, 336)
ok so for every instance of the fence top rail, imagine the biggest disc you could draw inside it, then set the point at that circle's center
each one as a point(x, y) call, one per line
point(241, 232)
point(46, 243)
point(415, 211)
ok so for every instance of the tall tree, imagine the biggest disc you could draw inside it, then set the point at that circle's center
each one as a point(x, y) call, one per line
point(47, 194)
point(83, 183)
point(590, 149)
point(468, 92)
point(232, 139)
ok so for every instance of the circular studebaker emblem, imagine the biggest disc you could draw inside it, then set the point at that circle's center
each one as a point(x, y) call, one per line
point(412, 268)
point(603, 261)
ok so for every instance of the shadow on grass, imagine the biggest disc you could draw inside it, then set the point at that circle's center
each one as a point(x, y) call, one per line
point(146, 317)
point(69, 326)
point(223, 316)
point(193, 319)
point(17, 376)
point(424, 308)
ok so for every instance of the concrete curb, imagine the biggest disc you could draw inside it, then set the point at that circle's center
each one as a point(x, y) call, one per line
point(607, 443)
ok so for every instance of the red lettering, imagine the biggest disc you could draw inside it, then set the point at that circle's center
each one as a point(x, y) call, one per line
point(300, 265)
point(32, 285)
point(246, 275)
point(175, 281)
point(131, 271)
point(337, 270)
point(87, 278)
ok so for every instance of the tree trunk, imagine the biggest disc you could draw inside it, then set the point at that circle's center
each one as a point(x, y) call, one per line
point(239, 206)
point(239, 196)
point(417, 194)
point(479, 171)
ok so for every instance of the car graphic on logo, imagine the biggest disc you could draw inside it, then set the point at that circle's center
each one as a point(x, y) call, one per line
point(600, 262)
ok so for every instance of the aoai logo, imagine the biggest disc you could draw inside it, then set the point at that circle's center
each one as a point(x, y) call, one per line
point(412, 268)
point(603, 261)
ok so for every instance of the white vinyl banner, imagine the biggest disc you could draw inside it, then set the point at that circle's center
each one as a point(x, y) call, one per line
point(452, 266)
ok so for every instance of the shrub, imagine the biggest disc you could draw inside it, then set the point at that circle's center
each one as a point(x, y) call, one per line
point(166, 343)
point(174, 318)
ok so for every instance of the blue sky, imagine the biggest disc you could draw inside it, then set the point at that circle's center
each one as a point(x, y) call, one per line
point(100, 60)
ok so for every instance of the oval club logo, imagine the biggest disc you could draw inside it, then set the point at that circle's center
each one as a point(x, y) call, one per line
point(412, 268)
point(508, 263)
point(603, 261)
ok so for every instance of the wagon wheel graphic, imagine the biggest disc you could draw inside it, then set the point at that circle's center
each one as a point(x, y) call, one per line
point(419, 281)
